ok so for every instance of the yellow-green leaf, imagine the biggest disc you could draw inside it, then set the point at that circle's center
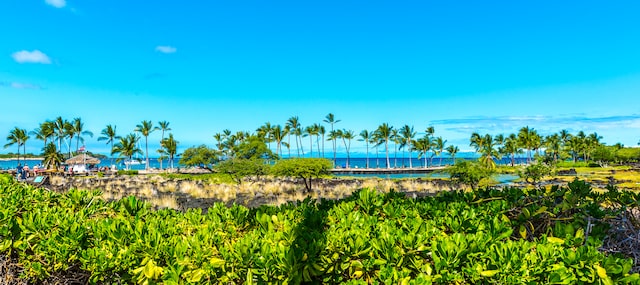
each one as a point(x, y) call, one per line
point(555, 240)
point(489, 273)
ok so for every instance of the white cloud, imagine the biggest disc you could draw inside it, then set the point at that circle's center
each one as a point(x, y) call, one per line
point(19, 85)
point(56, 3)
point(166, 49)
point(35, 56)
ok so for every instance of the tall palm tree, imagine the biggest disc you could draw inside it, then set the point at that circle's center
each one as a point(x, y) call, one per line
point(44, 132)
point(453, 150)
point(553, 144)
point(406, 137)
point(265, 132)
point(170, 148)
point(422, 146)
point(365, 137)
point(311, 131)
point(395, 138)
point(127, 147)
point(163, 126)
point(322, 131)
point(511, 147)
point(278, 136)
point(529, 139)
point(109, 134)
point(18, 137)
point(294, 129)
point(347, 136)
point(219, 137)
point(61, 126)
point(592, 142)
point(145, 128)
point(375, 141)
point(438, 147)
point(77, 126)
point(486, 146)
point(384, 133)
point(334, 135)
point(331, 119)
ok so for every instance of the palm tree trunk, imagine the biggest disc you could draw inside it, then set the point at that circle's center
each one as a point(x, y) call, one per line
point(410, 158)
point(146, 145)
point(386, 147)
point(367, 162)
point(311, 145)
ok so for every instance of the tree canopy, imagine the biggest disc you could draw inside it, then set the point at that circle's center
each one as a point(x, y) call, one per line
point(199, 156)
point(305, 168)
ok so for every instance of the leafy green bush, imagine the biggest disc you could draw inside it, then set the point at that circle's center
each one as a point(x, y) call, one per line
point(127, 172)
point(305, 168)
point(484, 237)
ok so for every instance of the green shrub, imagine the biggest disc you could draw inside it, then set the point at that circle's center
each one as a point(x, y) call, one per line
point(127, 172)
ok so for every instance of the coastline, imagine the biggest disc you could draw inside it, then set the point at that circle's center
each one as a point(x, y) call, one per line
point(28, 158)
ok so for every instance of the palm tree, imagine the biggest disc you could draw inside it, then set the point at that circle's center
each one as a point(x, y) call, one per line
point(365, 136)
point(52, 157)
point(511, 147)
point(322, 131)
point(77, 127)
point(18, 137)
point(294, 129)
point(395, 138)
point(265, 132)
point(422, 146)
point(311, 131)
point(486, 146)
point(407, 134)
point(438, 145)
point(384, 133)
point(375, 140)
point(219, 139)
point(330, 119)
point(163, 126)
point(334, 135)
point(278, 136)
point(127, 147)
point(529, 139)
point(145, 128)
point(347, 136)
point(109, 134)
point(61, 126)
point(591, 144)
point(44, 132)
point(453, 150)
point(553, 144)
point(170, 148)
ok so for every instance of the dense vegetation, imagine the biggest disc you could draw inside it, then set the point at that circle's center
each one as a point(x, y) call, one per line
point(488, 236)
point(268, 141)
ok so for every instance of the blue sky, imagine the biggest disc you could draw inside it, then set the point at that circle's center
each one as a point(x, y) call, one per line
point(205, 66)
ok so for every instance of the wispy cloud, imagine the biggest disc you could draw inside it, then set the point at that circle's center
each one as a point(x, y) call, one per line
point(35, 56)
point(546, 124)
point(166, 49)
point(56, 3)
point(19, 85)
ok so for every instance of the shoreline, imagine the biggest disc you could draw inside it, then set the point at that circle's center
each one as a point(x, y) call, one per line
point(28, 158)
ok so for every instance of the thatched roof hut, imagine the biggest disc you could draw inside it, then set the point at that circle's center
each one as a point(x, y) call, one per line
point(83, 159)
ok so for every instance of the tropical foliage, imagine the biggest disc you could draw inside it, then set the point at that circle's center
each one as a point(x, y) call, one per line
point(303, 168)
point(509, 236)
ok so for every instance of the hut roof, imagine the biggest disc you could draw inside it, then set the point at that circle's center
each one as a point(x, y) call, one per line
point(83, 159)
